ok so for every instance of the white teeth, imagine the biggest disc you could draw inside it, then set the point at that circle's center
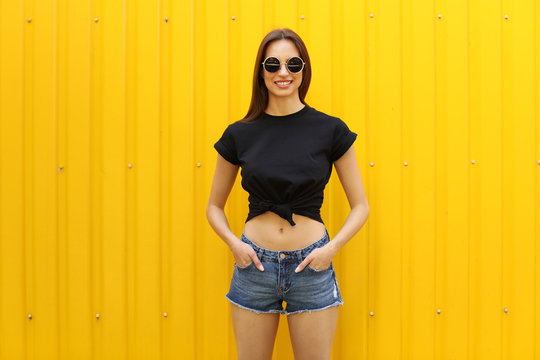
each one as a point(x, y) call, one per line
point(283, 82)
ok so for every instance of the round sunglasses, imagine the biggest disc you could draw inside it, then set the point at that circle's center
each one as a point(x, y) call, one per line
point(294, 64)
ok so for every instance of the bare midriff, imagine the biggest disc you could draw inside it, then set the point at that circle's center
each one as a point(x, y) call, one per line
point(272, 232)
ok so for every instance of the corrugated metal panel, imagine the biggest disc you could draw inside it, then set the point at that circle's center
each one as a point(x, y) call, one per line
point(109, 111)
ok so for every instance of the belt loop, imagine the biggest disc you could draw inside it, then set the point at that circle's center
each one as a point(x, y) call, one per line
point(299, 255)
point(260, 253)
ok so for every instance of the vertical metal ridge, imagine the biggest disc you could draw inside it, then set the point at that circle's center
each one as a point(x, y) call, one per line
point(130, 86)
point(31, 198)
point(369, 177)
point(197, 309)
point(435, 171)
point(125, 112)
point(199, 8)
point(27, 158)
point(501, 168)
point(468, 196)
point(402, 210)
point(57, 156)
point(193, 199)
point(161, 139)
point(89, 115)
point(535, 111)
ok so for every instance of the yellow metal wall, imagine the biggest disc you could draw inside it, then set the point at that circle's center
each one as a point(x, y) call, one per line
point(109, 111)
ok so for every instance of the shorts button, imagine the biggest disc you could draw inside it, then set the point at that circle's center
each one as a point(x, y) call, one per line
point(282, 256)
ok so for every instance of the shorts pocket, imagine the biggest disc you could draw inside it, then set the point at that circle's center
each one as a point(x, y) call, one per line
point(319, 271)
point(245, 267)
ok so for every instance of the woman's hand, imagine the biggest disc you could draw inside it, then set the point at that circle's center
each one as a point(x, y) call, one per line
point(244, 255)
point(318, 259)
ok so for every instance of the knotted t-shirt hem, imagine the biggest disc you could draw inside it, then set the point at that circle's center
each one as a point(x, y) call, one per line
point(308, 214)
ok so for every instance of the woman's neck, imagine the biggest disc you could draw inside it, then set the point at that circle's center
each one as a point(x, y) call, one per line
point(283, 106)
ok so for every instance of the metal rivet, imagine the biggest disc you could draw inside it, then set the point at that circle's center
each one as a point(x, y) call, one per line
point(97, 316)
point(233, 17)
point(96, 20)
point(372, 164)
point(371, 15)
point(166, 19)
point(130, 165)
point(438, 311)
point(60, 168)
point(371, 313)
point(439, 16)
point(506, 17)
point(198, 164)
point(505, 310)
point(28, 20)
point(165, 314)
point(30, 316)
point(302, 17)
point(473, 162)
point(405, 163)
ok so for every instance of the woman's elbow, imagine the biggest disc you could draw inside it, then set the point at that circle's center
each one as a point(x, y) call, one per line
point(212, 207)
point(209, 208)
point(362, 207)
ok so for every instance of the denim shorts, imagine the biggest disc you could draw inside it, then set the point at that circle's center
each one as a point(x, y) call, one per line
point(265, 291)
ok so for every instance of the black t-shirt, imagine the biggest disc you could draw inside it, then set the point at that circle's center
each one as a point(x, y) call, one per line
point(286, 160)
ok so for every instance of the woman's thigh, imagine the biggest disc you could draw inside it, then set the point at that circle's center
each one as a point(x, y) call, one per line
point(312, 333)
point(254, 333)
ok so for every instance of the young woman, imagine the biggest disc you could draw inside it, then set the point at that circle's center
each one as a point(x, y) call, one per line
point(286, 150)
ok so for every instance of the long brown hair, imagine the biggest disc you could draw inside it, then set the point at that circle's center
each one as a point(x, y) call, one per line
point(259, 95)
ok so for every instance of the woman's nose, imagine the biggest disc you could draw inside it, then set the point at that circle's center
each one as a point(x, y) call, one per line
point(283, 69)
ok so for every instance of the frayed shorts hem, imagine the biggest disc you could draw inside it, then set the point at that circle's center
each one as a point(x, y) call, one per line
point(340, 303)
point(254, 310)
point(284, 312)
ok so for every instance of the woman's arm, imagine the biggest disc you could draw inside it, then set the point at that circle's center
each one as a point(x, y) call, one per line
point(222, 184)
point(224, 177)
point(349, 175)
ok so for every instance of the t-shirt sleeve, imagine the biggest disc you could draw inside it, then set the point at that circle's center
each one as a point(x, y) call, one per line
point(343, 138)
point(226, 147)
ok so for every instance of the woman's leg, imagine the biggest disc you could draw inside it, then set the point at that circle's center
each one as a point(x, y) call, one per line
point(312, 333)
point(254, 333)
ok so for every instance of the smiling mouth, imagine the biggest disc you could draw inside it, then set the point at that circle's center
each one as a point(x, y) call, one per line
point(283, 83)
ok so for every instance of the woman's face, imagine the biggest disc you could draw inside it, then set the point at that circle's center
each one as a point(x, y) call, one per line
point(282, 49)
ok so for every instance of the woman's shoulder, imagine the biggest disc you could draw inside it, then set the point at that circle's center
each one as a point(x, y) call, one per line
point(240, 129)
point(241, 125)
point(325, 118)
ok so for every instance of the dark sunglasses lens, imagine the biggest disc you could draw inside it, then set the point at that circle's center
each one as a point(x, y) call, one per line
point(272, 64)
point(294, 64)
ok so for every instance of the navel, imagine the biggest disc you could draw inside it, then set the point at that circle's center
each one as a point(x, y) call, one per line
point(280, 230)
